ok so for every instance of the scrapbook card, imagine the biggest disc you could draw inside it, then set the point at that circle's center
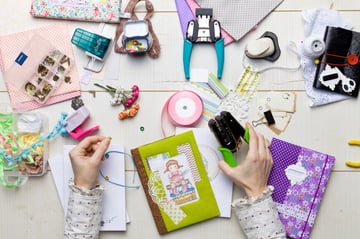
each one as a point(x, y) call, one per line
point(275, 106)
point(175, 182)
point(299, 176)
point(84, 10)
point(339, 69)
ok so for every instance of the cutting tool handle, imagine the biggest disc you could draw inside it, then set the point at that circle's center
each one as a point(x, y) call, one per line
point(186, 57)
point(246, 136)
point(228, 156)
point(219, 47)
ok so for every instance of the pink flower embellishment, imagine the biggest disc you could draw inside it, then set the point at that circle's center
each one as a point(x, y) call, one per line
point(97, 12)
point(45, 12)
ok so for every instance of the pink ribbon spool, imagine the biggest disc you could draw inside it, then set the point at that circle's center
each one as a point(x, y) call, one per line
point(185, 108)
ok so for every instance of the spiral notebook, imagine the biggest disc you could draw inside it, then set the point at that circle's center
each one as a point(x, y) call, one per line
point(300, 176)
point(175, 182)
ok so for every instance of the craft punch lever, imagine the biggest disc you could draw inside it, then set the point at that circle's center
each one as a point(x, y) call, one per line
point(75, 121)
point(266, 47)
point(229, 133)
point(203, 30)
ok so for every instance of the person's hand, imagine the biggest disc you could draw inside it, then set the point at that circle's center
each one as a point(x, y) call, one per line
point(86, 158)
point(253, 173)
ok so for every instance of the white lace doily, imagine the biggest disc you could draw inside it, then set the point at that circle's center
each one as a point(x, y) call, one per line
point(237, 105)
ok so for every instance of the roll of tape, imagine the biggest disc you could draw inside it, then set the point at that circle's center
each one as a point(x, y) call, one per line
point(185, 108)
point(314, 47)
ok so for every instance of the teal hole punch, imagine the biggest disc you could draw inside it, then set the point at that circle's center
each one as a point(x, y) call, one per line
point(96, 47)
point(203, 30)
point(229, 133)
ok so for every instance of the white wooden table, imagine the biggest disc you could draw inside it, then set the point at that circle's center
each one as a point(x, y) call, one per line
point(34, 210)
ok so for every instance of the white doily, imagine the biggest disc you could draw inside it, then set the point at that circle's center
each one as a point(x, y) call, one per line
point(297, 213)
point(237, 105)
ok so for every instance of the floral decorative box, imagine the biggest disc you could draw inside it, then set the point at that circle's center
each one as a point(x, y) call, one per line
point(83, 10)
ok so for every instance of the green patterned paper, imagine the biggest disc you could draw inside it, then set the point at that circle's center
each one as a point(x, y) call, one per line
point(188, 201)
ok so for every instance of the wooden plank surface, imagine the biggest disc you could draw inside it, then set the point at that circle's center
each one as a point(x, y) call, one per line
point(34, 210)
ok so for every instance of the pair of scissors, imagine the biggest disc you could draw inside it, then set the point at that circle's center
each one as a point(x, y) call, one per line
point(353, 164)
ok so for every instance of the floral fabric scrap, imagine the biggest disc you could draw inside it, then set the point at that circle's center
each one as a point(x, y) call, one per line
point(91, 10)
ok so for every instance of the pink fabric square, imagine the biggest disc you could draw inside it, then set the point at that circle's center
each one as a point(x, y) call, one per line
point(10, 47)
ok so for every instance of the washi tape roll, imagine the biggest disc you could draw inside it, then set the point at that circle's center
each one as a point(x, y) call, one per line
point(184, 108)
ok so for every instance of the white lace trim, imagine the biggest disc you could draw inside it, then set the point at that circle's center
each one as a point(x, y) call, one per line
point(293, 212)
point(237, 105)
point(252, 200)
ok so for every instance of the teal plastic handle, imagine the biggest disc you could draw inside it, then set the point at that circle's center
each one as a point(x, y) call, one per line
point(186, 57)
point(228, 156)
point(219, 47)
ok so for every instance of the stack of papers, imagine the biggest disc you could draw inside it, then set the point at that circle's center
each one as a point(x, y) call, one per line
point(114, 205)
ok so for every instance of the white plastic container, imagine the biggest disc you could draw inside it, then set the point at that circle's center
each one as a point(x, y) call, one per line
point(26, 128)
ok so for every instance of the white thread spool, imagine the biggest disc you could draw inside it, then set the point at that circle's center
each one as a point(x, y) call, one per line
point(314, 47)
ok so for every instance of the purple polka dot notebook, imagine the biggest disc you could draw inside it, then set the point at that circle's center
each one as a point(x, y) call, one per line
point(300, 176)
